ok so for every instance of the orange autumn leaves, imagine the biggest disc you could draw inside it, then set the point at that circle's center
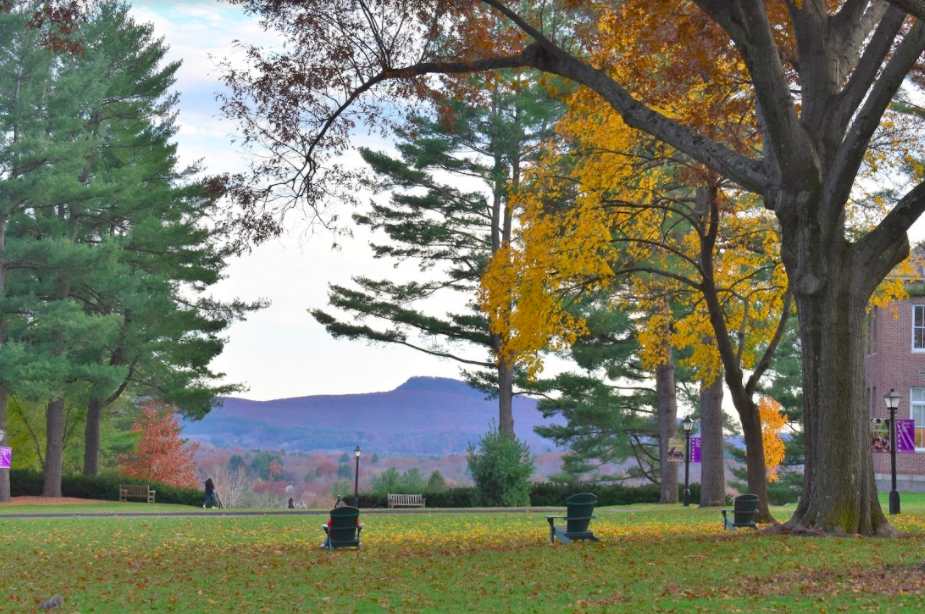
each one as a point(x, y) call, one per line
point(161, 456)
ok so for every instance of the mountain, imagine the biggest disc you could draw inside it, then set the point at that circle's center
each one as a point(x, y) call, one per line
point(423, 416)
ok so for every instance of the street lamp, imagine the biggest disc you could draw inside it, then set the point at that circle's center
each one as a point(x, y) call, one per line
point(892, 404)
point(687, 424)
point(356, 483)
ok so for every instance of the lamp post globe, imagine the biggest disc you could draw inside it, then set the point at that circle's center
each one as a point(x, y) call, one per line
point(687, 424)
point(356, 481)
point(892, 404)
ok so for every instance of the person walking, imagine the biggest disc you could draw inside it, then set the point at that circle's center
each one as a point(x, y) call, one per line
point(210, 493)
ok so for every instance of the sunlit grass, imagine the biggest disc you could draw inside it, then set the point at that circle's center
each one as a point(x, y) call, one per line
point(651, 559)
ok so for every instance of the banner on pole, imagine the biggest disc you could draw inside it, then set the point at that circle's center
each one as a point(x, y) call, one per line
point(695, 449)
point(6, 456)
point(675, 450)
point(905, 436)
point(879, 435)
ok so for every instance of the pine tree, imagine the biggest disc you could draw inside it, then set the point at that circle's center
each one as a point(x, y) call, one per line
point(609, 408)
point(446, 229)
point(108, 247)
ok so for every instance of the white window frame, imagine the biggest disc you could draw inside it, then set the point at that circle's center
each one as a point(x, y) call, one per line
point(914, 309)
point(917, 403)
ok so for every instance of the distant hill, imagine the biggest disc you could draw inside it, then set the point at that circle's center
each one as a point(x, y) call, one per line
point(425, 415)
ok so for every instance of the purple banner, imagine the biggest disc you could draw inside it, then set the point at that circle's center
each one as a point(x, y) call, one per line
point(695, 449)
point(905, 436)
point(6, 455)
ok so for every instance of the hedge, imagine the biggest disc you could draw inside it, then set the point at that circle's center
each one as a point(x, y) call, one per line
point(553, 494)
point(28, 482)
point(542, 494)
point(25, 482)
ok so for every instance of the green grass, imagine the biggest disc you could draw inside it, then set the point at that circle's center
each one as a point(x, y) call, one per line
point(651, 559)
point(109, 507)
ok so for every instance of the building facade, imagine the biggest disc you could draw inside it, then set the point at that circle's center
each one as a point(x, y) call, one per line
point(896, 359)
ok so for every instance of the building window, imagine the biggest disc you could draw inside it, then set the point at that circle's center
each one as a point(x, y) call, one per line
point(918, 327)
point(917, 400)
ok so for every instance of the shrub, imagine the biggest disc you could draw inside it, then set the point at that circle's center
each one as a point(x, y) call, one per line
point(501, 468)
point(28, 482)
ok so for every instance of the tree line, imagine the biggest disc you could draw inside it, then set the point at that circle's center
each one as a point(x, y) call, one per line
point(108, 246)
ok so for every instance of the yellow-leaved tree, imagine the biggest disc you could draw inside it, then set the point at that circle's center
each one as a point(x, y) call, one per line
point(772, 422)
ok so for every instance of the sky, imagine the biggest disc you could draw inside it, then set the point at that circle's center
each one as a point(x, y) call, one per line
point(279, 352)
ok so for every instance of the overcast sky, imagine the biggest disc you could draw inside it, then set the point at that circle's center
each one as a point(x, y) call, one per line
point(279, 352)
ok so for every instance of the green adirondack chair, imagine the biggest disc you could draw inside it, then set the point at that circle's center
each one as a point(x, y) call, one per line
point(744, 513)
point(579, 514)
point(344, 531)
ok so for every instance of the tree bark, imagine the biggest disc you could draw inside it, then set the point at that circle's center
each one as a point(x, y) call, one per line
point(667, 428)
point(741, 392)
point(915, 8)
point(505, 397)
point(54, 450)
point(54, 415)
point(712, 465)
point(92, 437)
point(5, 490)
point(839, 493)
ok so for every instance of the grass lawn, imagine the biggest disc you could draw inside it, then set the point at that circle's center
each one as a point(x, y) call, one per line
point(651, 559)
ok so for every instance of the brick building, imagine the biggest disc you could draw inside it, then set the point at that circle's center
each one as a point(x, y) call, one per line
point(896, 359)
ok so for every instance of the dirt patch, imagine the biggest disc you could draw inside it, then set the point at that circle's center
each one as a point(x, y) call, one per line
point(50, 501)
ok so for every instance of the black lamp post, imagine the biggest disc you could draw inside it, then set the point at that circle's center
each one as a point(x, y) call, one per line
point(892, 404)
point(687, 424)
point(356, 483)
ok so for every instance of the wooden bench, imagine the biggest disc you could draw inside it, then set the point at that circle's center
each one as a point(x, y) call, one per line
point(405, 500)
point(136, 491)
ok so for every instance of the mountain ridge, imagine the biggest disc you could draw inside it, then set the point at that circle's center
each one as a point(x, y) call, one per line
point(423, 415)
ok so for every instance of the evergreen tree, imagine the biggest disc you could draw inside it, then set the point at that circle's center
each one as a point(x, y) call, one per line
point(386, 482)
point(446, 229)
point(102, 240)
point(609, 410)
point(412, 481)
point(436, 482)
point(501, 467)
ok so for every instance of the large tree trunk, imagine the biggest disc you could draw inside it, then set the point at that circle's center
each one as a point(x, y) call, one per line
point(54, 415)
point(54, 449)
point(712, 465)
point(505, 397)
point(839, 494)
point(5, 491)
point(92, 437)
point(667, 428)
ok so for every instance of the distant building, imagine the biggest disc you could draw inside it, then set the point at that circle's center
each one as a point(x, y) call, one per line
point(896, 359)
